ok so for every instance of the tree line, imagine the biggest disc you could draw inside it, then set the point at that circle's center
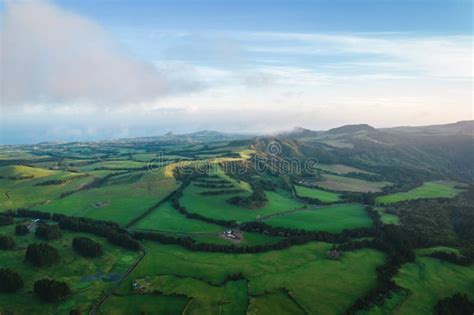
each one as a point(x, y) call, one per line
point(221, 192)
point(454, 305)
point(195, 216)
point(59, 181)
point(292, 237)
point(108, 229)
point(6, 219)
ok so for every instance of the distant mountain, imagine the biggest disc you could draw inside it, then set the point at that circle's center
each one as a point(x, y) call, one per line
point(215, 136)
point(204, 136)
point(298, 132)
point(465, 127)
point(352, 129)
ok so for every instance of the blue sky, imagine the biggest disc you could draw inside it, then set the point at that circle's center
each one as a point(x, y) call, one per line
point(81, 70)
point(445, 16)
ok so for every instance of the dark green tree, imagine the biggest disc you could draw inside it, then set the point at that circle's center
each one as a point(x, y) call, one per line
point(6, 220)
point(21, 229)
point(41, 255)
point(87, 247)
point(10, 281)
point(457, 304)
point(51, 290)
point(48, 232)
point(6, 242)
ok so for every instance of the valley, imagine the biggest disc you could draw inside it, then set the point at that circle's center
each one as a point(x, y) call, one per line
point(211, 223)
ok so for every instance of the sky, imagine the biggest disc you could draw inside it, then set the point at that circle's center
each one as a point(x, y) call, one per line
point(104, 69)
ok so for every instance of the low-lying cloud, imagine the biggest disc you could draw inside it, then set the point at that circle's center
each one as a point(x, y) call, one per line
point(50, 55)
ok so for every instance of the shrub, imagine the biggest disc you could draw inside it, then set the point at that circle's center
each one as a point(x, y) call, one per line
point(456, 304)
point(21, 229)
point(26, 213)
point(6, 242)
point(48, 232)
point(124, 240)
point(87, 247)
point(51, 290)
point(6, 220)
point(10, 281)
point(41, 255)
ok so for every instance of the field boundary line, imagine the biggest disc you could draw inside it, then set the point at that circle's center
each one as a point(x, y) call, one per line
point(151, 209)
point(111, 291)
point(174, 233)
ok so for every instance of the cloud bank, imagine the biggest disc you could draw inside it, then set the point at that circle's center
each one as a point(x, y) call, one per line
point(53, 56)
point(62, 77)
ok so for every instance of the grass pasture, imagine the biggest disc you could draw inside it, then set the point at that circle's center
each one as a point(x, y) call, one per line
point(217, 206)
point(337, 283)
point(389, 306)
point(341, 183)
point(249, 239)
point(273, 303)
point(321, 195)
point(120, 202)
point(340, 169)
point(330, 219)
point(23, 193)
point(429, 280)
point(24, 171)
point(430, 250)
point(144, 304)
point(72, 269)
point(338, 143)
point(387, 218)
point(167, 219)
point(439, 189)
point(228, 298)
point(12, 153)
point(118, 164)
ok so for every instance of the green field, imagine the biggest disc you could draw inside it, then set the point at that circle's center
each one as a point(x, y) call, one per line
point(341, 183)
point(338, 143)
point(389, 306)
point(273, 303)
point(71, 269)
point(24, 171)
point(330, 219)
point(340, 169)
point(228, 298)
point(430, 250)
point(12, 153)
point(167, 219)
point(23, 193)
point(144, 304)
point(217, 207)
point(387, 218)
point(337, 283)
point(259, 272)
point(121, 164)
point(124, 199)
point(248, 239)
point(430, 280)
point(441, 189)
point(321, 195)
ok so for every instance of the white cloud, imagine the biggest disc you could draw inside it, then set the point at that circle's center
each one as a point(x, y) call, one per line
point(441, 56)
point(55, 56)
point(260, 82)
